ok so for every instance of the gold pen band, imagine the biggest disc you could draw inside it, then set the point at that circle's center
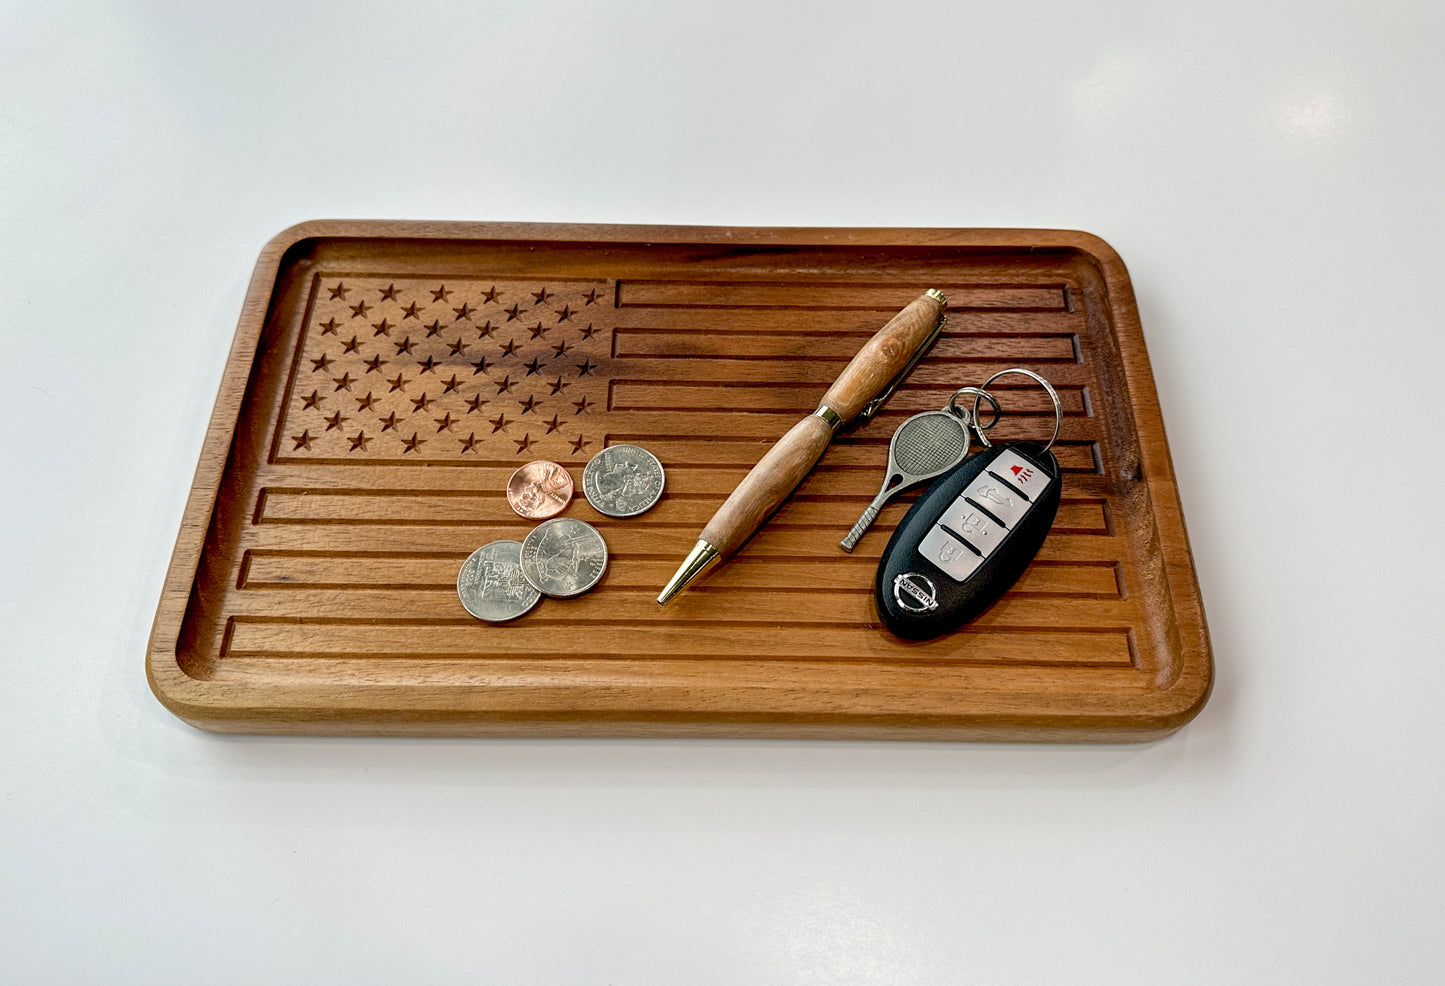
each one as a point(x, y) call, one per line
point(829, 415)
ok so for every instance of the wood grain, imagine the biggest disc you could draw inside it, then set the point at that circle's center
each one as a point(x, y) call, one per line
point(767, 485)
point(882, 357)
point(387, 377)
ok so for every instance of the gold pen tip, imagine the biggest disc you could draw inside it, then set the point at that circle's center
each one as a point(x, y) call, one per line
point(700, 557)
point(937, 296)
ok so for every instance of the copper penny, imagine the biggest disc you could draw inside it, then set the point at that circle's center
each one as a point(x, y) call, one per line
point(540, 490)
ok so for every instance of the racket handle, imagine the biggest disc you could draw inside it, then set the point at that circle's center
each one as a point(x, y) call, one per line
point(864, 522)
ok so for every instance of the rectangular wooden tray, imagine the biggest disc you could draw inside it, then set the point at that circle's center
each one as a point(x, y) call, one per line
point(387, 378)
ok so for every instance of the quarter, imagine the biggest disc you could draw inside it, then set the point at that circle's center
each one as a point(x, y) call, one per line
point(491, 585)
point(564, 557)
point(539, 490)
point(623, 480)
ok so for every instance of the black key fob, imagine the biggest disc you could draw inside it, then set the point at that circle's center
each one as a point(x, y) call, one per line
point(967, 539)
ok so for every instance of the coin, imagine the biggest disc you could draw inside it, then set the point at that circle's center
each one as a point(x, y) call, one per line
point(540, 490)
point(564, 557)
point(491, 585)
point(623, 480)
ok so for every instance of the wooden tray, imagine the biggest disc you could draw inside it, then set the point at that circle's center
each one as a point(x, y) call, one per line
point(387, 377)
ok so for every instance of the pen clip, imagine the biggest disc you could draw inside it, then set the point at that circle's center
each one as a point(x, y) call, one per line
point(876, 404)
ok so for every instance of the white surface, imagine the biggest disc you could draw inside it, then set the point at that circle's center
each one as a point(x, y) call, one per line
point(1271, 175)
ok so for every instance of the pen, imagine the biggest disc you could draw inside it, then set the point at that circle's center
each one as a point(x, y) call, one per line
point(865, 383)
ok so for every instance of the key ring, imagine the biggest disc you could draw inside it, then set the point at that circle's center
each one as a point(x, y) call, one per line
point(1058, 407)
point(970, 420)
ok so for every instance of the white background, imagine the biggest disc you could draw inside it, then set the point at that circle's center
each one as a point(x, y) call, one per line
point(1271, 173)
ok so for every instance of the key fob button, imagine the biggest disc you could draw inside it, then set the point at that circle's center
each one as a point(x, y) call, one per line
point(1021, 473)
point(954, 559)
point(998, 498)
point(973, 525)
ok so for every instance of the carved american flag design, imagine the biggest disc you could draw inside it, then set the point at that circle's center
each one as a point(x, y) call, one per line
point(425, 370)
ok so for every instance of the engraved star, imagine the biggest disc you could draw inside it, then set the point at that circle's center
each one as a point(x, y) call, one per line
point(565, 315)
point(440, 294)
point(388, 293)
point(328, 327)
point(350, 347)
point(509, 348)
point(445, 422)
point(410, 311)
point(342, 382)
point(335, 421)
point(359, 441)
point(537, 331)
point(421, 403)
point(302, 440)
point(485, 331)
point(587, 332)
point(322, 363)
point(591, 297)
point(340, 291)
point(365, 403)
point(541, 296)
point(469, 444)
point(412, 444)
point(559, 385)
point(561, 347)
point(383, 328)
point(533, 366)
point(307, 403)
point(489, 295)
point(458, 348)
point(427, 365)
point(398, 384)
point(529, 404)
point(389, 421)
point(585, 368)
point(374, 364)
point(499, 422)
point(582, 405)
point(481, 366)
point(515, 312)
point(553, 425)
point(523, 444)
point(405, 346)
point(505, 384)
point(451, 384)
point(464, 312)
point(360, 310)
point(579, 445)
point(475, 403)
point(435, 329)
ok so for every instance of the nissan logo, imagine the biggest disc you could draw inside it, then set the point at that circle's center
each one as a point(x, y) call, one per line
point(915, 593)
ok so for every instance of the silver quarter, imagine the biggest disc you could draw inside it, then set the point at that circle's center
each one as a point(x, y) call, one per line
point(564, 557)
point(623, 480)
point(491, 585)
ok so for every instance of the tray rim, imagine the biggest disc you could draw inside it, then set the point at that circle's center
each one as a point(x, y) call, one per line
point(221, 707)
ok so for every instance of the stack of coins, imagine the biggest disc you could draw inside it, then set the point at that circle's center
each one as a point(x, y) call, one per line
point(561, 557)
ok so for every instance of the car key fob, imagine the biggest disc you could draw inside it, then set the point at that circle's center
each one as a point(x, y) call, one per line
point(967, 539)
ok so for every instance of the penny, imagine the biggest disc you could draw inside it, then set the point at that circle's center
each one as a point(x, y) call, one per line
point(564, 557)
point(623, 480)
point(540, 490)
point(491, 585)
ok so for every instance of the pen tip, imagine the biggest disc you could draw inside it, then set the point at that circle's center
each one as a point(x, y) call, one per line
point(701, 555)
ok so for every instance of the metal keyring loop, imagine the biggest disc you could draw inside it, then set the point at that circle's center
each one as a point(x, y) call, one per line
point(971, 419)
point(1058, 406)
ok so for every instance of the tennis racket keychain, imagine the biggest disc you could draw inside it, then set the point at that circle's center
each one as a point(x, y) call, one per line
point(924, 447)
point(972, 533)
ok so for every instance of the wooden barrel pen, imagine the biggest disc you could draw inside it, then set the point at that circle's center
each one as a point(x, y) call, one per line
point(865, 383)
